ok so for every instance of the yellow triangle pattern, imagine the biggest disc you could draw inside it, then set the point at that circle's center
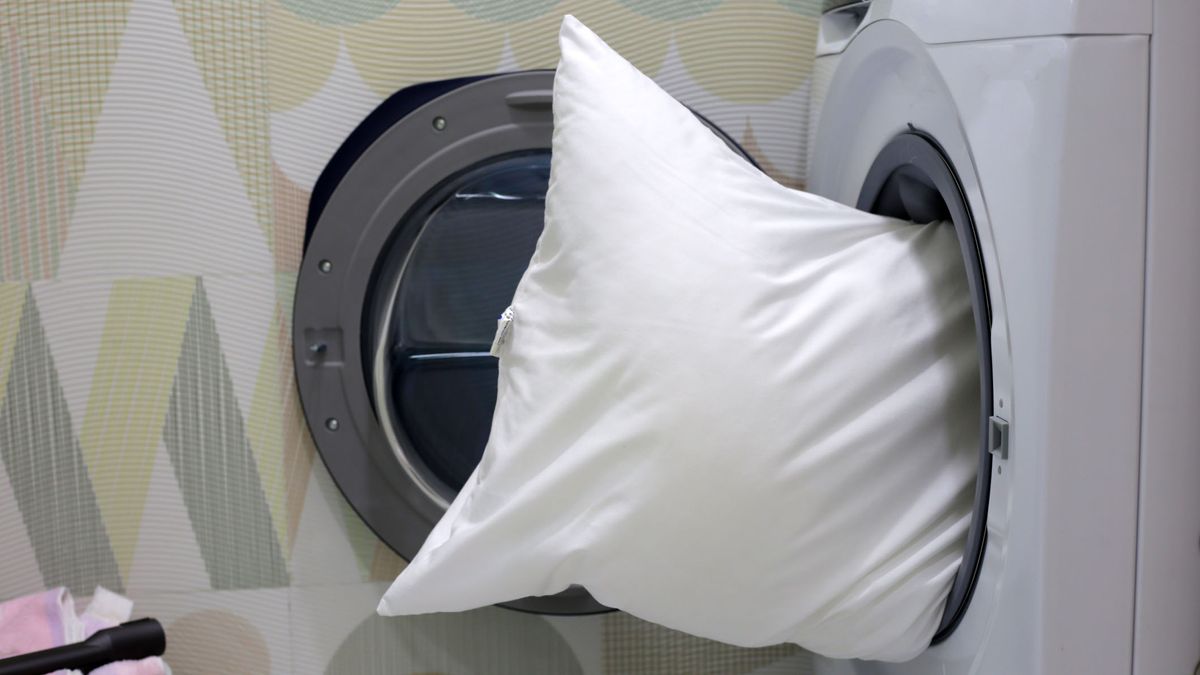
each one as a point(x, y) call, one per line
point(12, 301)
point(127, 404)
point(265, 433)
point(362, 540)
point(282, 450)
point(385, 564)
point(229, 42)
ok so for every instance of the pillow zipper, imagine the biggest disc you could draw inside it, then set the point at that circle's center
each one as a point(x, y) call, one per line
point(503, 324)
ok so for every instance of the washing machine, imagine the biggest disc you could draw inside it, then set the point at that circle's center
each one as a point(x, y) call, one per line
point(418, 230)
point(1059, 139)
point(1056, 137)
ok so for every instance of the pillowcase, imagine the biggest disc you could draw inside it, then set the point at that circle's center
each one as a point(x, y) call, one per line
point(725, 406)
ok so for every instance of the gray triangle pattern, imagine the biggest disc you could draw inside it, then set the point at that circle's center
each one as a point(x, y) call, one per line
point(636, 647)
point(47, 472)
point(213, 464)
point(487, 640)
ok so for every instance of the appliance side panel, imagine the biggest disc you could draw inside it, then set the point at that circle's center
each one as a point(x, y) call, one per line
point(1058, 132)
point(968, 20)
point(1167, 620)
point(1089, 493)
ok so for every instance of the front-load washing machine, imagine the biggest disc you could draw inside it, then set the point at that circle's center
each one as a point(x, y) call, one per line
point(418, 231)
point(1055, 137)
point(1060, 140)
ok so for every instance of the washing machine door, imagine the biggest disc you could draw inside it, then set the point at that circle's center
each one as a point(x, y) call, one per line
point(889, 140)
point(419, 230)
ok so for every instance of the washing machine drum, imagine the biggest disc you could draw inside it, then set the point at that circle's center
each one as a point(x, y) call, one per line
point(418, 231)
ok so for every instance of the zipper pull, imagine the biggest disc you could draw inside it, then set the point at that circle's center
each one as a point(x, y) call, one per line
point(503, 325)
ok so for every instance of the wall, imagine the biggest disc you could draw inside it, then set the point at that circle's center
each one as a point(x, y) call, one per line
point(157, 159)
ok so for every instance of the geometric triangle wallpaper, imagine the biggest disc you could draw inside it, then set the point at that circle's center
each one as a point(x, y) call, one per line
point(46, 470)
point(217, 474)
point(157, 161)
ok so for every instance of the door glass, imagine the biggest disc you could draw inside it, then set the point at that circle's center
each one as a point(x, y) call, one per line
point(473, 246)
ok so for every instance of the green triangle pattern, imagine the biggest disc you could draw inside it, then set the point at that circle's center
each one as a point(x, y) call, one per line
point(46, 469)
point(205, 437)
point(486, 640)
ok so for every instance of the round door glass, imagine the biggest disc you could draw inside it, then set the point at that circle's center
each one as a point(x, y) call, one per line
point(436, 387)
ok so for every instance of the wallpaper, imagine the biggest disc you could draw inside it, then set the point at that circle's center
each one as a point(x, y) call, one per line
point(157, 158)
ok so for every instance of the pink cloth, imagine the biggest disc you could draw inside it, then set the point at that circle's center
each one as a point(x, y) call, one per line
point(34, 622)
point(48, 619)
point(150, 666)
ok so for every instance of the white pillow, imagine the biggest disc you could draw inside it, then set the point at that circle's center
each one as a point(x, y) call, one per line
point(729, 407)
